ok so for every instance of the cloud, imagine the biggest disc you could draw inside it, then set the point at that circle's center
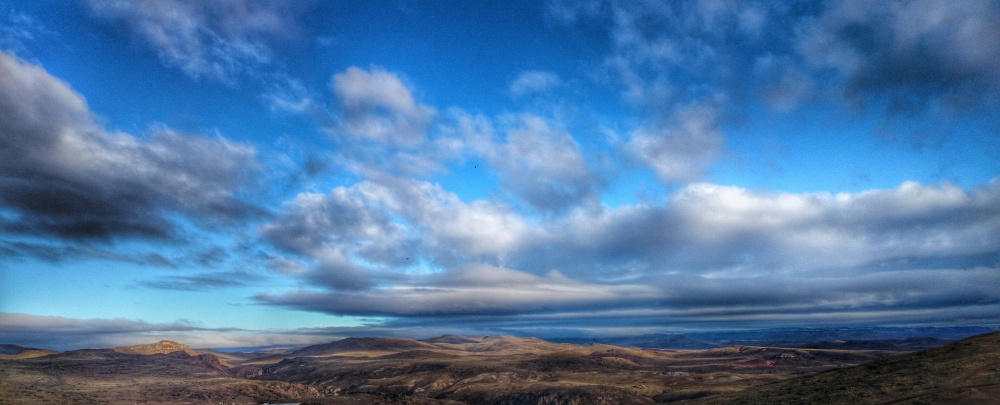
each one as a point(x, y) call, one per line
point(62, 333)
point(912, 53)
point(377, 106)
point(376, 231)
point(19, 29)
point(218, 40)
point(665, 53)
point(204, 281)
point(531, 82)
point(60, 253)
point(473, 290)
point(62, 174)
point(709, 253)
point(719, 231)
point(682, 148)
point(543, 165)
point(783, 84)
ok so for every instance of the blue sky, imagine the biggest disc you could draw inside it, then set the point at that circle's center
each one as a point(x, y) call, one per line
point(237, 173)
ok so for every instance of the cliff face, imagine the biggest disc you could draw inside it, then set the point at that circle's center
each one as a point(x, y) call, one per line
point(161, 347)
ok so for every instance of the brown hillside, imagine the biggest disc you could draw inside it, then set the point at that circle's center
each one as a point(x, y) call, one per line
point(360, 345)
point(15, 352)
point(964, 372)
point(161, 347)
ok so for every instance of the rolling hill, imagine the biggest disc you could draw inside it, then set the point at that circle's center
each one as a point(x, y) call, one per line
point(967, 372)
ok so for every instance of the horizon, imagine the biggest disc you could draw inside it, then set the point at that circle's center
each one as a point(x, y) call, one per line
point(771, 335)
point(240, 174)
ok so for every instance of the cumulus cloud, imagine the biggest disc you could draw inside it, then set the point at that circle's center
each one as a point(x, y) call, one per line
point(533, 81)
point(372, 232)
point(218, 40)
point(913, 53)
point(542, 165)
point(682, 148)
point(62, 174)
point(376, 105)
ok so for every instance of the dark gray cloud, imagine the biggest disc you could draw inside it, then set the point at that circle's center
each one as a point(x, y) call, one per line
point(910, 53)
point(62, 174)
point(59, 253)
point(203, 281)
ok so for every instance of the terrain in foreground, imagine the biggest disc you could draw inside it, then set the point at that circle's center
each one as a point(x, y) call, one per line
point(503, 370)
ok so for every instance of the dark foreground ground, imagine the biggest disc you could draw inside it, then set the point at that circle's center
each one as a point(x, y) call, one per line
point(506, 370)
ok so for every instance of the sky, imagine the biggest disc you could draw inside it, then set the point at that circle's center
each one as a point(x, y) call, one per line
point(250, 173)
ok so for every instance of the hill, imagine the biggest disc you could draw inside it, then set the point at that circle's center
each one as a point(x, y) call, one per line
point(508, 370)
point(14, 352)
point(967, 371)
point(161, 347)
point(360, 345)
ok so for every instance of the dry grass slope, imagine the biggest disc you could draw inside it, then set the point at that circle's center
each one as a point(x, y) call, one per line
point(503, 370)
point(964, 372)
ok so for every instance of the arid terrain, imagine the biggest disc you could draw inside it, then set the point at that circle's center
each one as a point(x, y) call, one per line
point(503, 370)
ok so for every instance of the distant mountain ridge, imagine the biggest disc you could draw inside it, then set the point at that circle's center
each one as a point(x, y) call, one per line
point(870, 338)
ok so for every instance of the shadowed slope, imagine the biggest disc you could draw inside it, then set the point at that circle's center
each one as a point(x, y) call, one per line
point(967, 371)
point(16, 352)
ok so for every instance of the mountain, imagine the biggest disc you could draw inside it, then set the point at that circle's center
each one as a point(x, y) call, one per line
point(161, 347)
point(967, 371)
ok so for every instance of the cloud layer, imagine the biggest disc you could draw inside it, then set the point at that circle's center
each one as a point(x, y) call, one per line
point(709, 252)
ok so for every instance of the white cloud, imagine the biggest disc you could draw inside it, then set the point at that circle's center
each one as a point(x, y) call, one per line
point(377, 106)
point(542, 165)
point(533, 81)
point(219, 40)
point(682, 148)
point(707, 253)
